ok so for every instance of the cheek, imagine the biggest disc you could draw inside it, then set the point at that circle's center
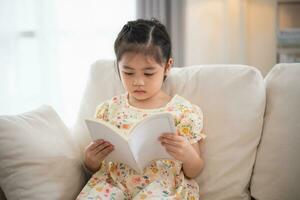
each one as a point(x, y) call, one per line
point(161, 76)
point(157, 81)
point(127, 81)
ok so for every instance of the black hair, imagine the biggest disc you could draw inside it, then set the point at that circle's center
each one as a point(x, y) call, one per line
point(148, 37)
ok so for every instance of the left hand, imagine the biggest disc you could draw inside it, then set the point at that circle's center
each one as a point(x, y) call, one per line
point(177, 146)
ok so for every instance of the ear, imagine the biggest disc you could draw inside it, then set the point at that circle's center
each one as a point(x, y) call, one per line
point(168, 66)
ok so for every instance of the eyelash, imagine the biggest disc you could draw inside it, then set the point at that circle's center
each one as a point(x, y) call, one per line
point(129, 74)
point(148, 74)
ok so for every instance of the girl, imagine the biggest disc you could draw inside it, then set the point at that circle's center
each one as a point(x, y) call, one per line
point(143, 52)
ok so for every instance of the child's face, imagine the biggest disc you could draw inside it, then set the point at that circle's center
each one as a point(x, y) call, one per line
point(141, 75)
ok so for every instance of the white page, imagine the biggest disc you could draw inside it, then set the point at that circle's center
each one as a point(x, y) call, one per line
point(122, 152)
point(144, 141)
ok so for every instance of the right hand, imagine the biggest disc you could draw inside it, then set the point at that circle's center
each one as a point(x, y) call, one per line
point(95, 153)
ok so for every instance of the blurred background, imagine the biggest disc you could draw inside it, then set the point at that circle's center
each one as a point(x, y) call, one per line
point(47, 46)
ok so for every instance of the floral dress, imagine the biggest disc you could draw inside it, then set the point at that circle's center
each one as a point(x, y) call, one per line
point(161, 179)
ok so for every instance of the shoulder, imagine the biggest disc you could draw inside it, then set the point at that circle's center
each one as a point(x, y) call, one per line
point(189, 119)
point(115, 100)
point(109, 104)
point(185, 106)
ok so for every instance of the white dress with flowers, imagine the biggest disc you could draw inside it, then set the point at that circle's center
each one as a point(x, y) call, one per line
point(162, 179)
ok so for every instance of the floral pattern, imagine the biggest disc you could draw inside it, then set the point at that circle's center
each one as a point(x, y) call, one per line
point(161, 179)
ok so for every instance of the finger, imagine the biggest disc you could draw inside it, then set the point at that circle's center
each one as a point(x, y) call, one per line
point(94, 144)
point(93, 147)
point(176, 134)
point(172, 153)
point(98, 147)
point(172, 149)
point(101, 147)
point(171, 142)
point(168, 133)
point(174, 138)
point(104, 152)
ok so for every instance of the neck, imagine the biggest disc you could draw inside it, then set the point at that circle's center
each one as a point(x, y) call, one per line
point(158, 100)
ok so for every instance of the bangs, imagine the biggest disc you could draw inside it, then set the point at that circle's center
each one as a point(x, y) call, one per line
point(147, 50)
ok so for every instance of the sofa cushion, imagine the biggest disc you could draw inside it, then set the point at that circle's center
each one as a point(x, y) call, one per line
point(276, 174)
point(232, 98)
point(102, 84)
point(38, 159)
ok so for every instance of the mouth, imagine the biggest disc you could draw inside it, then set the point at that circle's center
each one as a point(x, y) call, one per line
point(139, 91)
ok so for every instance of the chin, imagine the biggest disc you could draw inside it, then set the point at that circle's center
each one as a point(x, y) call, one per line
point(140, 96)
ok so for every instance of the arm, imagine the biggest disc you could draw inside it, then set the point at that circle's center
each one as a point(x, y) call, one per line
point(194, 164)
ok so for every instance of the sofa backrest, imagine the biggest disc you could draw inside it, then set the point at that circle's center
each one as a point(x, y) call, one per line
point(232, 98)
point(276, 175)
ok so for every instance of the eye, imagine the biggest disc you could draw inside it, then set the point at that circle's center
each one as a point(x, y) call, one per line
point(128, 73)
point(149, 74)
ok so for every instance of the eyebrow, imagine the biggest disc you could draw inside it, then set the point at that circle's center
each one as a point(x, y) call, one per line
point(146, 68)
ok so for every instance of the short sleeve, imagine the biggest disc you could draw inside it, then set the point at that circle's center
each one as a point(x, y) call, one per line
point(102, 112)
point(191, 124)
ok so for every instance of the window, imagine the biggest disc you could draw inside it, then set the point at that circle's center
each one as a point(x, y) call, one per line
point(288, 31)
point(48, 46)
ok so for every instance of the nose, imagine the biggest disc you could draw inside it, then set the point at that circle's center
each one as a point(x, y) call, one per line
point(138, 81)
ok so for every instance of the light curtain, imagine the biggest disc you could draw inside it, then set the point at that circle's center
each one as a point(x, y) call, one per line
point(47, 47)
point(172, 14)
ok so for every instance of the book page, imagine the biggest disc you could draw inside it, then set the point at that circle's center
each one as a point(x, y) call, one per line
point(144, 141)
point(106, 131)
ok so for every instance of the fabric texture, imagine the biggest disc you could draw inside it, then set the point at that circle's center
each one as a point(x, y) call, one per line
point(161, 178)
point(276, 174)
point(232, 98)
point(38, 159)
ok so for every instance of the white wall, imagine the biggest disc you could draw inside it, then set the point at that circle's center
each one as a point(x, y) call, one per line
point(262, 34)
point(231, 32)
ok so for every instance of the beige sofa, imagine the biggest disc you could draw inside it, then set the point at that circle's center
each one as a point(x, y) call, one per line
point(252, 124)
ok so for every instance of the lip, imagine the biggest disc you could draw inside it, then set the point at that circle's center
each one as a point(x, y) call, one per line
point(139, 91)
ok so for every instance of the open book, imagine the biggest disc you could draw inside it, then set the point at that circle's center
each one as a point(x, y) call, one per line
point(141, 146)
